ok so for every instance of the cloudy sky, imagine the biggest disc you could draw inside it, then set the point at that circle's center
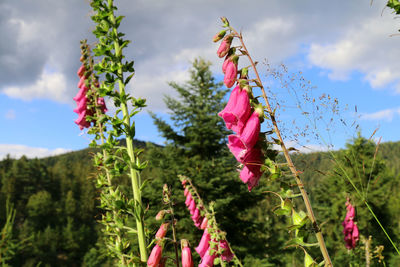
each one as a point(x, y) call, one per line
point(344, 48)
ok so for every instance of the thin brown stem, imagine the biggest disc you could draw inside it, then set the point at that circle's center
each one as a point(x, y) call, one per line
point(174, 234)
point(292, 168)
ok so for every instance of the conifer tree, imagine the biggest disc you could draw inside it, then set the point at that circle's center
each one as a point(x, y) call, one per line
point(369, 174)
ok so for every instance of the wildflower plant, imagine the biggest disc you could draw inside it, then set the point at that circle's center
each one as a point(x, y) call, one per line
point(254, 150)
point(106, 75)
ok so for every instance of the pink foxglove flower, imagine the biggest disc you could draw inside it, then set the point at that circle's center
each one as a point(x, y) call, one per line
point(237, 147)
point(81, 71)
point(186, 192)
point(237, 116)
point(82, 105)
point(251, 131)
point(350, 229)
point(203, 245)
point(204, 223)
point(230, 74)
point(226, 61)
point(226, 113)
point(81, 120)
point(81, 82)
point(162, 231)
point(187, 260)
point(196, 215)
point(227, 255)
point(192, 206)
point(188, 200)
point(224, 46)
point(81, 93)
point(208, 259)
point(155, 256)
point(250, 177)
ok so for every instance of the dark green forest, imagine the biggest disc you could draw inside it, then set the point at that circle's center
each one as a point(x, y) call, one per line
point(56, 198)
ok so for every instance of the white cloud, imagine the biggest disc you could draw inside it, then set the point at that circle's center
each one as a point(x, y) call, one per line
point(386, 115)
point(365, 47)
point(10, 114)
point(16, 151)
point(308, 148)
point(50, 85)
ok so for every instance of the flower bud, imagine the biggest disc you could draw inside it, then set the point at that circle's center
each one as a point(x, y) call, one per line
point(155, 256)
point(219, 36)
point(204, 223)
point(81, 70)
point(225, 46)
point(160, 215)
point(162, 231)
point(187, 260)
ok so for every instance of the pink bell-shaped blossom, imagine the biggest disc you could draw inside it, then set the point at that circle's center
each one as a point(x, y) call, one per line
point(162, 231)
point(192, 206)
point(82, 105)
point(237, 113)
point(351, 213)
point(237, 147)
point(208, 259)
point(251, 131)
point(81, 70)
point(230, 74)
point(250, 177)
point(185, 192)
point(81, 82)
point(81, 120)
point(204, 223)
point(197, 223)
point(187, 260)
point(196, 215)
point(355, 236)
point(227, 255)
point(224, 46)
point(226, 61)
point(188, 200)
point(203, 245)
point(155, 256)
point(81, 93)
point(226, 113)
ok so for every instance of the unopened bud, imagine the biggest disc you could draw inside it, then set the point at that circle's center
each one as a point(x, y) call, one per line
point(219, 36)
point(225, 21)
point(160, 215)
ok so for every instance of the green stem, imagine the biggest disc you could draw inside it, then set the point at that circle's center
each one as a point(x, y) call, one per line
point(135, 176)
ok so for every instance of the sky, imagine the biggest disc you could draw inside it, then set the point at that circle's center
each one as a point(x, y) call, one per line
point(347, 49)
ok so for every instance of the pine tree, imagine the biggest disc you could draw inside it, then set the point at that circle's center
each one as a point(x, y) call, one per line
point(196, 147)
point(368, 172)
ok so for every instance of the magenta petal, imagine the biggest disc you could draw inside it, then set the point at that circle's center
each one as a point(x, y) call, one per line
point(236, 147)
point(207, 260)
point(81, 70)
point(192, 207)
point(226, 113)
point(230, 74)
point(188, 199)
point(203, 245)
point(224, 47)
point(241, 111)
point(81, 82)
point(82, 105)
point(225, 64)
point(81, 93)
point(227, 255)
point(251, 131)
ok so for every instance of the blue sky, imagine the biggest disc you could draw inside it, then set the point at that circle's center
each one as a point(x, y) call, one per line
point(346, 52)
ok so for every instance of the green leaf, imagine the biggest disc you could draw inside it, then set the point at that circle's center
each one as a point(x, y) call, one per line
point(308, 260)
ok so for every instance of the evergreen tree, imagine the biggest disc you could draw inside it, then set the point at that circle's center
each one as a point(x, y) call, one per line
point(368, 172)
point(196, 147)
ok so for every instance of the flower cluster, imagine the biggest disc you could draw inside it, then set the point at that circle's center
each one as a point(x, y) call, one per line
point(87, 101)
point(350, 229)
point(239, 115)
point(206, 251)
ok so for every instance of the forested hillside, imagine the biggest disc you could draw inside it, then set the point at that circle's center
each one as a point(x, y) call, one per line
point(56, 203)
